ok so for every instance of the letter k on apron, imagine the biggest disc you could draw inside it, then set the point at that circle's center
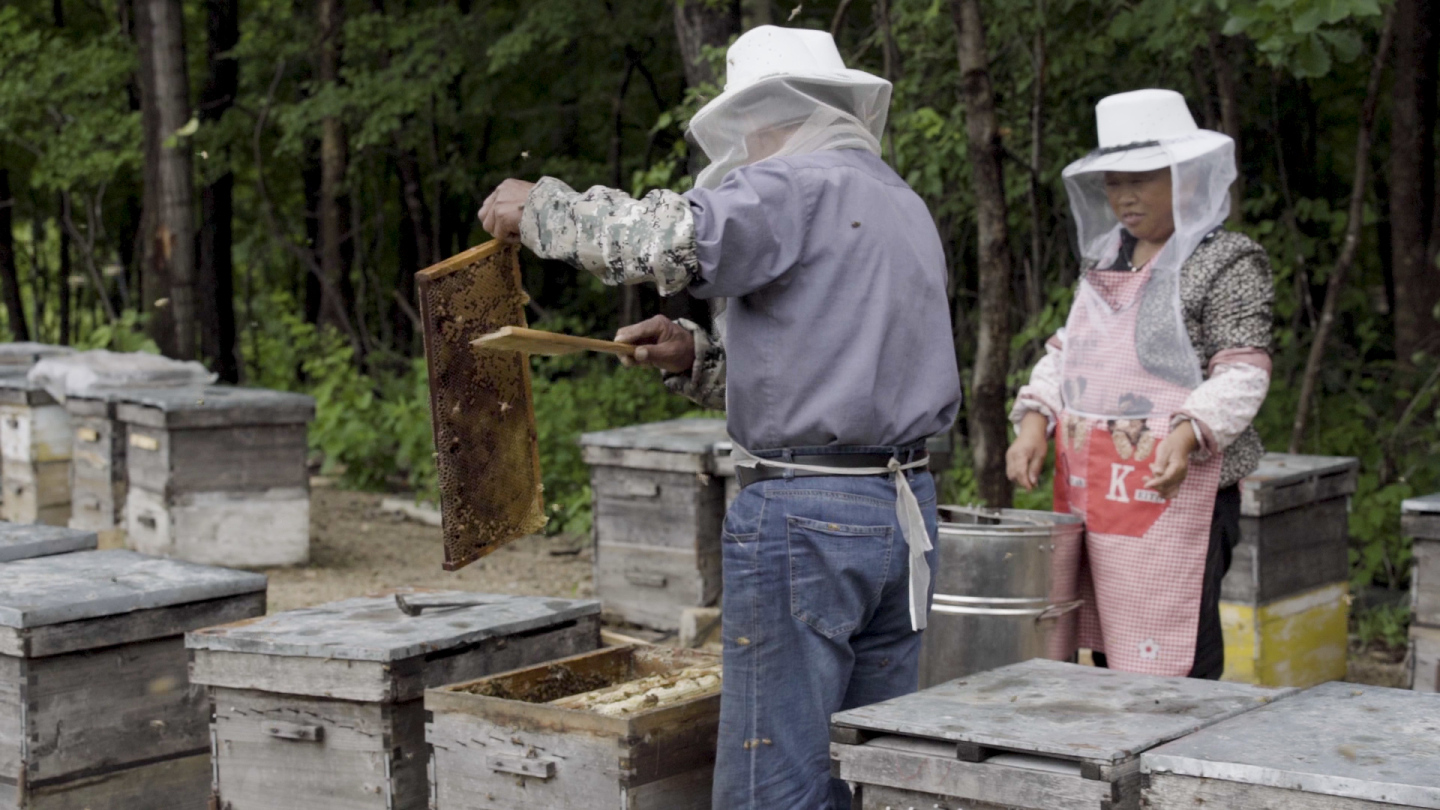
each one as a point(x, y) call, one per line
point(1144, 557)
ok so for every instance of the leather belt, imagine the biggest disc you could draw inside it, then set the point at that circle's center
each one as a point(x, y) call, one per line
point(749, 475)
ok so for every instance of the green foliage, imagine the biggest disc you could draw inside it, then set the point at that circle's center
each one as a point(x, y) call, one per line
point(1384, 624)
point(1305, 37)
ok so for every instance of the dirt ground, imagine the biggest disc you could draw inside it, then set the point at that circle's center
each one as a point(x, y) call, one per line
point(356, 549)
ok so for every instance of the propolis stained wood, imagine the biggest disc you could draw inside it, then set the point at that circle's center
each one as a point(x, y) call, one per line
point(500, 742)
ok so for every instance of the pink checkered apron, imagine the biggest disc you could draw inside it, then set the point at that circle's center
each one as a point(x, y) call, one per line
point(1143, 562)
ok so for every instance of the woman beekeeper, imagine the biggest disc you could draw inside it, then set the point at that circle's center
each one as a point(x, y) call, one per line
point(1151, 386)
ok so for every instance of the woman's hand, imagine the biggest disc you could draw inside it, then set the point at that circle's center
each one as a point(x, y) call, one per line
point(501, 211)
point(661, 343)
point(1172, 460)
point(1026, 456)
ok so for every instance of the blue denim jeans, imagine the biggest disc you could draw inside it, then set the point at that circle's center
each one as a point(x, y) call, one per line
point(815, 620)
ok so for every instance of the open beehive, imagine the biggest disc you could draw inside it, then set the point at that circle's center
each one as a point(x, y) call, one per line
point(624, 728)
point(482, 412)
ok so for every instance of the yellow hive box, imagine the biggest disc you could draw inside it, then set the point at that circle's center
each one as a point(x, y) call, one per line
point(1296, 641)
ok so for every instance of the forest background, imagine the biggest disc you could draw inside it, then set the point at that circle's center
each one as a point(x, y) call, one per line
point(255, 183)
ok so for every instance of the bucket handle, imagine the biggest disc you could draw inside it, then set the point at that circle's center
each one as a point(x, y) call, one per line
point(1040, 614)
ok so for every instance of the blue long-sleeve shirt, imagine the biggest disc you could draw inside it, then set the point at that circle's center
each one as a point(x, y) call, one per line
point(837, 324)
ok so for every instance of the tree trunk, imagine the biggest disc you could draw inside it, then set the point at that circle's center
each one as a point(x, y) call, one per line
point(333, 211)
point(699, 23)
point(1222, 58)
point(1412, 178)
point(9, 273)
point(1035, 267)
point(154, 278)
point(1336, 282)
point(988, 424)
point(163, 58)
point(62, 276)
point(216, 279)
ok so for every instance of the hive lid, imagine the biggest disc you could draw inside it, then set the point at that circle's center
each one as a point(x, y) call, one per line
point(213, 406)
point(17, 390)
point(21, 541)
point(1425, 504)
point(1338, 739)
point(372, 628)
point(93, 584)
point(1061, 710)
point(16, 357)
point(674, 436)
point(1287, 481)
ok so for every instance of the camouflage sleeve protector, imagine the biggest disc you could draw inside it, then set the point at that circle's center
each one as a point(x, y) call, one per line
point(704, 384)
point(618, 238)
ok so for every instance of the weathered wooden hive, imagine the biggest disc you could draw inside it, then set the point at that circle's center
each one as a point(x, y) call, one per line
point(18, 358)
point(218, 474)
point(1420, 520)
point(322, 707)
point(1338, 746)
point(1284, 604)
point(658, 508)
point(97, 466)
point(22, 541)
point(1041, 735)
point(96, 710)
point(34, 454)
point(625, 728)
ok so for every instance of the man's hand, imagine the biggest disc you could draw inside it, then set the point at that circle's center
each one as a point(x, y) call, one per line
point(1026, 456)
point(660, 343)
point(500, 213)
point(1172, 460)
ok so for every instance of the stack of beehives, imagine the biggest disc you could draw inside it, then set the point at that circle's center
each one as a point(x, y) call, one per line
point(1284, 604)
point(218, 474)
point(35, 444)
point(1421, 521)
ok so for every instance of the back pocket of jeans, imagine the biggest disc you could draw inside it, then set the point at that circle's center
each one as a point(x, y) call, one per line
point(836, 572)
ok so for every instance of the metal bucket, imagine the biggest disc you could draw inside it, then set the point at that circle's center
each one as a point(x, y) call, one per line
point(1005, 591)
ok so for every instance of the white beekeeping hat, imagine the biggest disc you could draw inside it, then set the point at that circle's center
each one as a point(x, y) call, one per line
point(792, 84)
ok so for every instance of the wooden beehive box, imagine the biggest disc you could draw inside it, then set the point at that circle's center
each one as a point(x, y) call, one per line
point(1294, 527)
point(1420, 521)
point(22, 541)
point(97, 466)
point(322, 707)
point(218, 474)
point(658, 509)
point(96, 709)
point(1338, 746)
point(18, 358)
point(1041, 735)
point(34, 454)
point(500, 742)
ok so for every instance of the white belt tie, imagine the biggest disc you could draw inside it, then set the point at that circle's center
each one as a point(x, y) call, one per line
point(907, 509)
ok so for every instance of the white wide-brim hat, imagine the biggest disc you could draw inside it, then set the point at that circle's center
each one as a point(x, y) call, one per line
point(1144, 130)
point(768, 53)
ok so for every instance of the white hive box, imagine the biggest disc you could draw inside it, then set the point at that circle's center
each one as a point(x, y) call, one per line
point(97, 466)
point(22, 541)
point(322, 707)
point(34, 454)
point(96, 709)
point(658, 508)
point(1338, 746)
point(18, 358)
point(503, 741)
point(1420, 521)
point(1041, 735)
point(218, 474)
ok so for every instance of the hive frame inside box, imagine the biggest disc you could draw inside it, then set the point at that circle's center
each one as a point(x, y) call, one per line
point(550, 758)
point(984, 764)
point(659, 502)
point(224, 482)
point(348, 731)
point(95, 706)
point(34, 455)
